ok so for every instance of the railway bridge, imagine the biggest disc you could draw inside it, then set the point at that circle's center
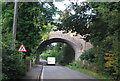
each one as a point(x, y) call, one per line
point(75, 41)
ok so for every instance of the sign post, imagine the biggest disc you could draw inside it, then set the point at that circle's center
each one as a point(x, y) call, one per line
point(14, 24)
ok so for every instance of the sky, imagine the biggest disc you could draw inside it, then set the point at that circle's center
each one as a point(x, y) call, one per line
point(63, 5)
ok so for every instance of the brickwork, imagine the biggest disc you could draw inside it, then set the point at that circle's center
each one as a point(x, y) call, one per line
point(77, 43)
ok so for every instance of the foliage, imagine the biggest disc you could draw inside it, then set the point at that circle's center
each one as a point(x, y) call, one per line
point(102, 60)
point(34, 18)
point(107, 40)
point(88, 55)
point(68, 55)
point(116, 54)
point(45, 55)
point(53, 51)
point(90, 20)
point(93, 55)
point(89, 72)
point(33, 22)
point(45, 31)
point(77, 21)
point(64, 54)
point(99, 24)
point(13, 65)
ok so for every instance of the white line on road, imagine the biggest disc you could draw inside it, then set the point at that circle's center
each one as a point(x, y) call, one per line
point(42, 74)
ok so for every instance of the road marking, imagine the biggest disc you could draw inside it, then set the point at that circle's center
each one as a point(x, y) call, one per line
point(42, 74)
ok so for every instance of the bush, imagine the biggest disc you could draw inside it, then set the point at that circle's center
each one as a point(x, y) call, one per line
point(45, 55)
point(13, 65)
point(68, 55)
point(88, 55)
point(106, 61)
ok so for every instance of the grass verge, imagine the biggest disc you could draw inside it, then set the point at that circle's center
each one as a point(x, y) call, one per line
point(88, 72)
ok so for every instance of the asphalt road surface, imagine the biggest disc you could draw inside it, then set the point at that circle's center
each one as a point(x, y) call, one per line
point(63, 73)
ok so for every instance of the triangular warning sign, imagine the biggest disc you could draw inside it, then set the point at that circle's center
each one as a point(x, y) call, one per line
point(22, 48)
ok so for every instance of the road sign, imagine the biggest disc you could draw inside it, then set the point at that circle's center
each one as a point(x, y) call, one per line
point(22, 48)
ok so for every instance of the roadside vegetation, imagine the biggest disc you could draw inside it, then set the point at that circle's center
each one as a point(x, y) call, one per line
point(87, 70)
point(60, 51)
point(98, 23)
point(34, 22)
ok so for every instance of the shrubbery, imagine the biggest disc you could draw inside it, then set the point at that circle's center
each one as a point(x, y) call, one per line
point(64, 53)
point(88, 55)
point(45, 55)
point(13, 65)
point(104, 62)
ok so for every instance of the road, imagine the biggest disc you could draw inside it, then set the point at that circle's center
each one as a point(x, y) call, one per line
point(64, 73)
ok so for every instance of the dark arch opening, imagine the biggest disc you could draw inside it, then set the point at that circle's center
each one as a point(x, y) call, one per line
point(47, 42)
point(53, 40)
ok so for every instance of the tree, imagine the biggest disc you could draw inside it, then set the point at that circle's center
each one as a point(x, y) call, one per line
point(99, 24)
point(64, 53)
point(77, 21)
point(32, 19)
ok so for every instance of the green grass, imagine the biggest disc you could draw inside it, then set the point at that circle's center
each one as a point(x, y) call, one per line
point(88, 72)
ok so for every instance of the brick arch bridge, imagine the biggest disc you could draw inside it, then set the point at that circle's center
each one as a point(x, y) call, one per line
point(76, 42)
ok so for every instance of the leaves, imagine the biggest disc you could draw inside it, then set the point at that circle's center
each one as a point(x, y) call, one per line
point(99, 26)
point(32, 16)
point(13, 65)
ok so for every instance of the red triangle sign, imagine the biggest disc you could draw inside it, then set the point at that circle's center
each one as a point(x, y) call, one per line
point(22, 48)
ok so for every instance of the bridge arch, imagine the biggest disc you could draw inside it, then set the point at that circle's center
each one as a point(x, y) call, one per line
point(53, 40)
point(76, 42)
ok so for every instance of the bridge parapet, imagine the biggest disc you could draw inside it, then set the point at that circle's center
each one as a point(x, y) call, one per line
point(67, 36)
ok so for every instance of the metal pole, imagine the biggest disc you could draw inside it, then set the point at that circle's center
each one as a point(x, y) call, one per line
point(85, 45)
point(14, 24)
